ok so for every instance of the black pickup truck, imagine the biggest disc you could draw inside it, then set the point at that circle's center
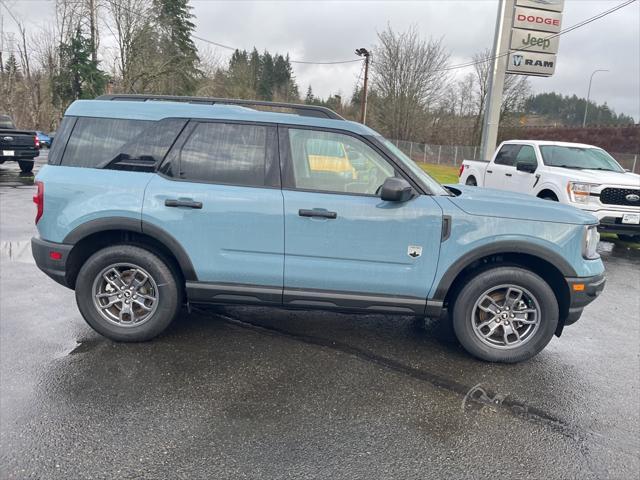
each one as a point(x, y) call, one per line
point(21, 146)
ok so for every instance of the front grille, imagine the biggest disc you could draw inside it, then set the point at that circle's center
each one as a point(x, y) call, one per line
point(617, 196)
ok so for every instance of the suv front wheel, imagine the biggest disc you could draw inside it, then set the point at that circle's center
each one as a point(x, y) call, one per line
point(127, 293)
point(505, 314)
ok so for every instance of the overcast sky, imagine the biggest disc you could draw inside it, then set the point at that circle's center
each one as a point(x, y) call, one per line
point(331, 30)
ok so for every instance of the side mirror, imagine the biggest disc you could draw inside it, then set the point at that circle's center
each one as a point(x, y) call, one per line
point(396, 189)
point(526, 167)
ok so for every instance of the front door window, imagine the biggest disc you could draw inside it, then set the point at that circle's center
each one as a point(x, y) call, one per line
point(337, 163)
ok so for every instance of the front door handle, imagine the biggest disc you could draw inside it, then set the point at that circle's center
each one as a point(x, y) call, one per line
point(172, 202)
point(508, 174)
point(317, 213)
point(489, 171)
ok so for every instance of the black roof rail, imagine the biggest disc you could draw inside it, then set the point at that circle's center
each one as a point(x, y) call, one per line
point(302, 110)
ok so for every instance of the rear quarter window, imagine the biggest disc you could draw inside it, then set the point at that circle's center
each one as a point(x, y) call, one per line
point(60, 140)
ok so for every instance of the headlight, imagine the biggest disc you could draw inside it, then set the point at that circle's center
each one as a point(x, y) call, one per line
point(590, 243)
point(579, 192)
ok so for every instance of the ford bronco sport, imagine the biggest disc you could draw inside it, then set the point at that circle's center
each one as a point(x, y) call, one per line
point(150, 203)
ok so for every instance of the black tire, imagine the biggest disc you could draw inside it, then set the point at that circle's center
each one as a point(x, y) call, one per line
point(26, 166)
point(471, 181)
point(463, 314)
point(625, 237)
point(168, 295)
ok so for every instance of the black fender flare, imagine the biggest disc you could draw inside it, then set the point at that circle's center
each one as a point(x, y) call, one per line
point(137, 226)
point(501, 247)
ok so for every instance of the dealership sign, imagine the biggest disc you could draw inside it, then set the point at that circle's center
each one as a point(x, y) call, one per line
point(527, 63)
point(553, 5)
point(533, 19)
point(534, 37)
point(533, 41)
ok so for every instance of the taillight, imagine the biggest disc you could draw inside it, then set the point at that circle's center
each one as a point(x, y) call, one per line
point(36, 142)
point(461, 170)
point(38, 199)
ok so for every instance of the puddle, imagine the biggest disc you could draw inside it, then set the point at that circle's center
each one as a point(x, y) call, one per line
point(19, 251)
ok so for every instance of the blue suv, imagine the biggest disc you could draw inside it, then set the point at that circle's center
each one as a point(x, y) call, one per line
point(150, 203)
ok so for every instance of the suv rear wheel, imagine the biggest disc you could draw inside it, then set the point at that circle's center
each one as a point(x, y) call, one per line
point(506, 314)
point(127, 293)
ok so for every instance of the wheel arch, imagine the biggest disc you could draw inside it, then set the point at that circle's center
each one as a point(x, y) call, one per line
point(96, 234)
point(548, 188)
point(550, 266)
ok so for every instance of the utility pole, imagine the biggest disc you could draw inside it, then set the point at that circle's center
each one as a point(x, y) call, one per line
point(1, 41)
point(496, 78)
point(363, 52)
point(586, 105)
point(93, 31)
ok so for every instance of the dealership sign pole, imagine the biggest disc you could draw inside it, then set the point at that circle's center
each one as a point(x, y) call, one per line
point(496, 79)
point(525, 43)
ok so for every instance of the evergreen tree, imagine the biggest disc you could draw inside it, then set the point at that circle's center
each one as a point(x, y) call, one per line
point(11, 67)
point(173, 18)
point(309, 99)
point(79, 76)
point(255, 67)
point(569, 110)
point(283, 81)
point(266, 83)
point(239, 81)
point(260, 76)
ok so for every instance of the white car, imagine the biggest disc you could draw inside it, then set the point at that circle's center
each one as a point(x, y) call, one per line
point(580, 175)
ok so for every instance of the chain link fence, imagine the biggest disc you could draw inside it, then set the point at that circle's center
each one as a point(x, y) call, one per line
point(454, 154)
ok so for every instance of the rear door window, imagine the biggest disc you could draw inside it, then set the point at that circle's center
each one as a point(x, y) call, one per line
point(229, 153)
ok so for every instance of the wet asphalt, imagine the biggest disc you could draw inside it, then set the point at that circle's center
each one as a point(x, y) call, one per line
point(264, 393)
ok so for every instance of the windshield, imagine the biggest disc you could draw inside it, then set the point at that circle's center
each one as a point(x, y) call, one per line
point(415, 170)
point(580, 158)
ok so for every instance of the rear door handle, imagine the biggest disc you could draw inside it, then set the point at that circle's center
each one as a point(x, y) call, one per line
point(508, 174)
point(317, 213)
point(489, 171)
point(172, 202)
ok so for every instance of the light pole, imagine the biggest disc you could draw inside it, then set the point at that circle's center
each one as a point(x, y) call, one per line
point(586, 105)
point(363, 52)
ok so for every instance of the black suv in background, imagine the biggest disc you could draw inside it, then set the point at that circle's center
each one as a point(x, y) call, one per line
point(21, 146)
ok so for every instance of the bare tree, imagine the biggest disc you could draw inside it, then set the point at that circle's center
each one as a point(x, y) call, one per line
point(408, 79)
point(127, 19)
point(516, 89)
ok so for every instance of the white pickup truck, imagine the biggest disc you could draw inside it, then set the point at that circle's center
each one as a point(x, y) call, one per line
point(580, 175)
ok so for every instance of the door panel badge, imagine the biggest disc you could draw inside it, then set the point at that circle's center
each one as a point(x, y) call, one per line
point(414, 251)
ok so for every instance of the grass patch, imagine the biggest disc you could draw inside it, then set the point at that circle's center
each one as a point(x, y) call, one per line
point(442, 173)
